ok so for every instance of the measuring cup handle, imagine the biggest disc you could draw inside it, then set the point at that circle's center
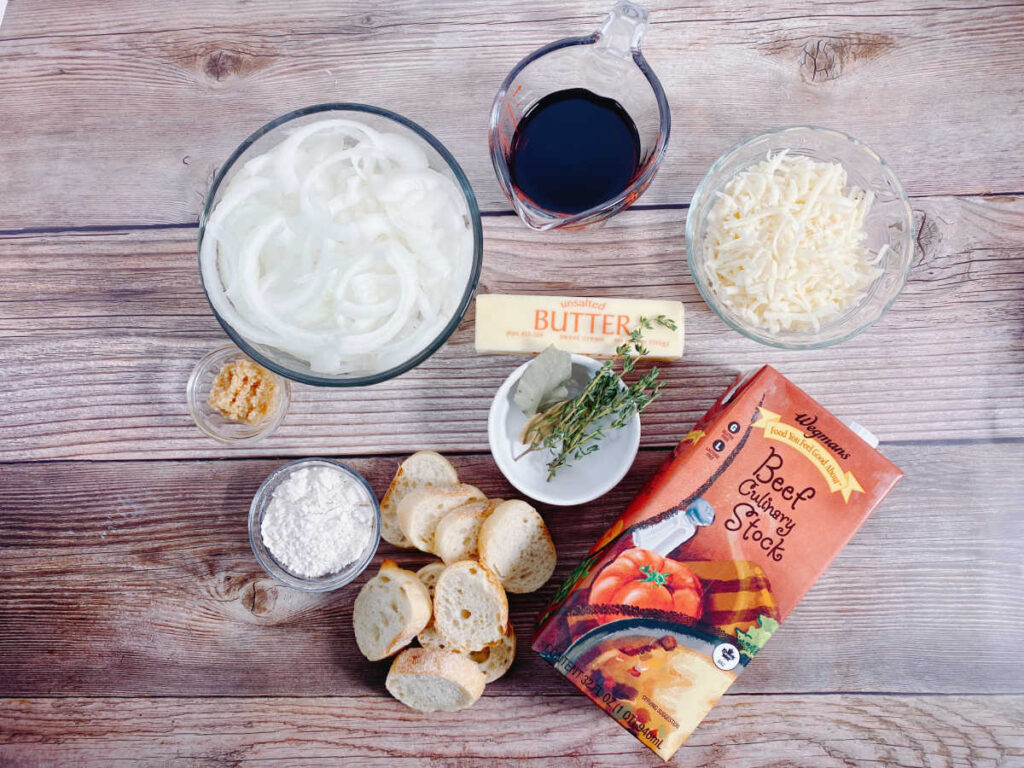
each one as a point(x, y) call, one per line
point(622, 31)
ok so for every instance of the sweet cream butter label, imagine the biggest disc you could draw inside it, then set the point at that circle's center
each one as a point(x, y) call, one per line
point(508, 324)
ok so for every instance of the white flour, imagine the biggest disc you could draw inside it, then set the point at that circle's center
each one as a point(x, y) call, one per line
point(318, 521)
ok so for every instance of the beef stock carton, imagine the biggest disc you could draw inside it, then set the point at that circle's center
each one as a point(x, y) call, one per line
point(688, 584)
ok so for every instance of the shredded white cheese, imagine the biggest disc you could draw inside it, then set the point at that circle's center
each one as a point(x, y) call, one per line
point(784, 248)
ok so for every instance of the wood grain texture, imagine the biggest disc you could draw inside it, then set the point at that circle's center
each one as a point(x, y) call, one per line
point(119, 113)
point(136, 578)
point(567, 731)
point(98, 333)
point(126, 572)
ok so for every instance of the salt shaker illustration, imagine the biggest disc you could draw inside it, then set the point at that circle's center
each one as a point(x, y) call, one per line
point(676, 529)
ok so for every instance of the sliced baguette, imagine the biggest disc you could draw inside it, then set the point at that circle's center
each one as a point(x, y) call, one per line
point(420, 510)
point(457, 532)
point(428, 575)
point(515, 544)
point(493, 660)
point(429, 680)
point(470, 607)
point(431, 638)
point(425, 469)
point(390, 610)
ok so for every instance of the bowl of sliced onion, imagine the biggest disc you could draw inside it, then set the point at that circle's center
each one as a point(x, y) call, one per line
point(340, 245)
point(800, 237)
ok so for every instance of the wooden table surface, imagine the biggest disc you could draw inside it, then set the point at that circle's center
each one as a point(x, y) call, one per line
point(134, 623)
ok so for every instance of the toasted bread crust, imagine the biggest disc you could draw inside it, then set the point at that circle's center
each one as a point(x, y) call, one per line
point(446, 669)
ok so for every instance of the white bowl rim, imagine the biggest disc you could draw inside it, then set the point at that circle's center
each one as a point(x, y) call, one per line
point(496, 416)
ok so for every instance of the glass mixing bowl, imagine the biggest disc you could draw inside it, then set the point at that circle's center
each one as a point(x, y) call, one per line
point(889, 221)
point(440, 159)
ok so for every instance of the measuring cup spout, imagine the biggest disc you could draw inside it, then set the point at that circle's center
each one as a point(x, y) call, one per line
point(622, 31)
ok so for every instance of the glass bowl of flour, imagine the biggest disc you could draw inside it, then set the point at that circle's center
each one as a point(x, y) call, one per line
point(314, 524)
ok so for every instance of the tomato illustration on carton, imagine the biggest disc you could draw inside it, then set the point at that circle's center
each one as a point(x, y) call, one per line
point(639, 578)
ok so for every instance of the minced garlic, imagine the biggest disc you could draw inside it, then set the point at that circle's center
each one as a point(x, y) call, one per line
point(243, 391)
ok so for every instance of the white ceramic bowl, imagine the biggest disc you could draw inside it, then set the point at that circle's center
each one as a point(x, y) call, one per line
point(584, 480)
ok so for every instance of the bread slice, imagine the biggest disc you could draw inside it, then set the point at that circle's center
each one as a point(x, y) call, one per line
point(457, 532)
point(428, 680)
point(494, 660)
point(428, 575)
point(420, 510)
point(470, 607)
point(390, 610)
point(515, 544)
point(425, 469)
point(431, 638)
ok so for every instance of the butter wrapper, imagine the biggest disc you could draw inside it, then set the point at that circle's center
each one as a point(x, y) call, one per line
point(508, 324)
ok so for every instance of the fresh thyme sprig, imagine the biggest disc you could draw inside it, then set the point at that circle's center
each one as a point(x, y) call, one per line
point(568, 429)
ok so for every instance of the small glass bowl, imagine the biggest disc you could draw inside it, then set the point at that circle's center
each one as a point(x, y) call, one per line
point(890, 221)
point(266, 560)
point(210, 421)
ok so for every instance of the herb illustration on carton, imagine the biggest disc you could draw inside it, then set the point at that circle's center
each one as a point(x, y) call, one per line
point(686, 587)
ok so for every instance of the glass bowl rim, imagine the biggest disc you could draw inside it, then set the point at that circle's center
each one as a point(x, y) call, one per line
point(705, 186)
point(192, 404)
point(471, 284)
point(301, 583)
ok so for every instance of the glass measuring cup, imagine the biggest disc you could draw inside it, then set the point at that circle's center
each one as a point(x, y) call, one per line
point(608, 63)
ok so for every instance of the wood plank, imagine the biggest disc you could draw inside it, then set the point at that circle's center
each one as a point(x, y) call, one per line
point(741, 732)
point(136, 578)
point(98, 333)
point(133, 106)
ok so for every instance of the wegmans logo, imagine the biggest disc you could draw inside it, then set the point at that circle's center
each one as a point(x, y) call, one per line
point(815, 452)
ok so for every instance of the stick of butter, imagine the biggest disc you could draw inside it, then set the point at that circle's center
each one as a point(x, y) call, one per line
point(517, 324)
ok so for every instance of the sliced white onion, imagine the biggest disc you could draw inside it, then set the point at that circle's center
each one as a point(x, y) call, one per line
point(341, 247)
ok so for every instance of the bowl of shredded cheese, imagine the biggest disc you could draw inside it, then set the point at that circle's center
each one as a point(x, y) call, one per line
point(800, 237)
point(340, 245)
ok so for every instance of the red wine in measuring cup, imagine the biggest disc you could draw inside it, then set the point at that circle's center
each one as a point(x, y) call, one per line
point(574, 150)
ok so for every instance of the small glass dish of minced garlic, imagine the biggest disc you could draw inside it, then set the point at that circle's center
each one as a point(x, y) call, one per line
point(234, 400)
